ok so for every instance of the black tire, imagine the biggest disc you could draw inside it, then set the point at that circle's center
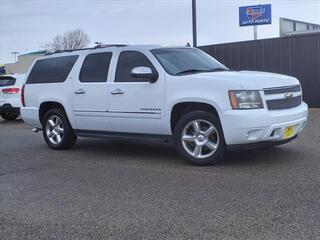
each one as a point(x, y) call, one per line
point(68, 138)
point(9, 116)
point(204, 117)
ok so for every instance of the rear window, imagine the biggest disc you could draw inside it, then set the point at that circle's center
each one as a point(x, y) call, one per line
point(51, 70)
point(6, 81)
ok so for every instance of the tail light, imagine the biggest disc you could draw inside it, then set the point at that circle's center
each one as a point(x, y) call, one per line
point(22, 96)
point(10, 90)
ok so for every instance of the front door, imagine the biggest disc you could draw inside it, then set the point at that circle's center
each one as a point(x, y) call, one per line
point(90, 96)
point(136, 105)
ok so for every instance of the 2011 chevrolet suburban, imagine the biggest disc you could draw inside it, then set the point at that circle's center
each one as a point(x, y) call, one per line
point(160, 93)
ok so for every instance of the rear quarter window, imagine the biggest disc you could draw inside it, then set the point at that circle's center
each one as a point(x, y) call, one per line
point(51, 70)
point(6, 81)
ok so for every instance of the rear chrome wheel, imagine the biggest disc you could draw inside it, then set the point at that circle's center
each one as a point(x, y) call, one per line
point(57, 130)
point(54, 129)
point(200, 138)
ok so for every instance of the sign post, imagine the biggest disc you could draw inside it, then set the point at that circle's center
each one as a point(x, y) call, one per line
point(255, 32)
point(255, 15)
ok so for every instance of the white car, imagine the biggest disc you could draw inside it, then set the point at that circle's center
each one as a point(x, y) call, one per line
point(160, 93)
point(10, 95)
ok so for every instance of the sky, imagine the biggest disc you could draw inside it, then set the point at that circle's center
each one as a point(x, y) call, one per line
point(28, 25)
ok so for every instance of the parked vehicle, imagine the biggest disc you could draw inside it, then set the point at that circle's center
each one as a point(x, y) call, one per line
point(161, 93)
point(10, 95)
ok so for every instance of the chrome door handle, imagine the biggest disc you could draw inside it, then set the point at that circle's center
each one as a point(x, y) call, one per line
point(80, 91)
point(117, 91)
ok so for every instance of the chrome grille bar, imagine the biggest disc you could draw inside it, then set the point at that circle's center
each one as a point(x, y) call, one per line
point(278, 90)
point(285, 103)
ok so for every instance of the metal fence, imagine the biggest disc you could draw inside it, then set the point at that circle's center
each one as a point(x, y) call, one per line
point(297, 56)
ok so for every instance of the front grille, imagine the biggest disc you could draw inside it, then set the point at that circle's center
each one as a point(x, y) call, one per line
point(269, 91)
point(285, 103)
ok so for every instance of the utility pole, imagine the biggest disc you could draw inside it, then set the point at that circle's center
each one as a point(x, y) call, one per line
point(15, 55)
point(194, 22)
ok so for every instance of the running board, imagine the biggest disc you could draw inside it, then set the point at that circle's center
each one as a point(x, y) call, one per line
point(124, 136)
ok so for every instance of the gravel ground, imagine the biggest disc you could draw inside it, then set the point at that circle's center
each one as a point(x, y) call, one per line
point(104, 189)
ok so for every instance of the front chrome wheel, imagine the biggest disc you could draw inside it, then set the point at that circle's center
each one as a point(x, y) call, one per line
point(55, 129)
point(200, 138)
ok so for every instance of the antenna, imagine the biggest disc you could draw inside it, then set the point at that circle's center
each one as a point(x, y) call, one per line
point(98, 43)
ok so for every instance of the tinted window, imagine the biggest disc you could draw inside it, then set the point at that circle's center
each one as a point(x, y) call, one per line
point(52, 70)
point(128, 60)
point(95, 67)
point(7, 81)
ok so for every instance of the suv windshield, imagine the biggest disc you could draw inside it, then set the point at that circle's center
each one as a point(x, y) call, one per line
point(182, 61)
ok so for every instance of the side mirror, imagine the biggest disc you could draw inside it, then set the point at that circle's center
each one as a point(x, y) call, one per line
point(145, 73)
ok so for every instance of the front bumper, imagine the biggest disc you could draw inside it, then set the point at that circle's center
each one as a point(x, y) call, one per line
point(258, 145)
point(254, 126)
point(8, 108)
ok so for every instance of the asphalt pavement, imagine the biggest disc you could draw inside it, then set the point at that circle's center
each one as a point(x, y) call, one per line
point(104, 189)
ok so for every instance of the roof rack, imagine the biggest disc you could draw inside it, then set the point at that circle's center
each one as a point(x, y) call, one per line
point(110, 45)
point(92, 48)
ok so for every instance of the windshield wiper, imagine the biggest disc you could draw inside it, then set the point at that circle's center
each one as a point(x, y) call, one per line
point(218, 69)
point(191, 71)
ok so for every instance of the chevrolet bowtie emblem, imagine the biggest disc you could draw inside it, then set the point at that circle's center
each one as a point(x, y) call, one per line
point(288, 95)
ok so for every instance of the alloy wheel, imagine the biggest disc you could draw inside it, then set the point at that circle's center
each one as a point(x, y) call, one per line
point(54, 129)
point(200, 138)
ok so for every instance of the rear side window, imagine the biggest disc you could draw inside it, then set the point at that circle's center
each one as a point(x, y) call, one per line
point(128, 60)
point(95, 67)
point(51, 70)
point(6, 81)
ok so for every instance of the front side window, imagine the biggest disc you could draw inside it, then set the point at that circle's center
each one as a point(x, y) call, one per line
point(182, 61)
point(128, 60)
point(95, 67)
point(51, 70)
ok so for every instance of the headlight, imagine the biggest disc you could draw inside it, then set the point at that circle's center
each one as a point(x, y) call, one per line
point(245, 99)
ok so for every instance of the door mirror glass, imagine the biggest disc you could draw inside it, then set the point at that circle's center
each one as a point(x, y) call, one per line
point(145, 73)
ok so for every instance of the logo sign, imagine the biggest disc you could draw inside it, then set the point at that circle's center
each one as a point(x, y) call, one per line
point(255, 15)
point(288, 95)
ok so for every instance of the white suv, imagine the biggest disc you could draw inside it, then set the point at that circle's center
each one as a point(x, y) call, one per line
point(160, 93)
point(10, 95)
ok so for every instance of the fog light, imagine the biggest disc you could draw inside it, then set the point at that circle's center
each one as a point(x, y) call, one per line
point(254, 134)
point(276, 133)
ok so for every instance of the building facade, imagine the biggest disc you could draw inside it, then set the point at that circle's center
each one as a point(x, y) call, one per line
point(23, 63)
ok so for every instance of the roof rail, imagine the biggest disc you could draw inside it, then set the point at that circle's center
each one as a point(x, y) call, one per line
point(110, 45)
point(92, 48)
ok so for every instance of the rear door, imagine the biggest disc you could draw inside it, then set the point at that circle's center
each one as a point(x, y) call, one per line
point(90, 93)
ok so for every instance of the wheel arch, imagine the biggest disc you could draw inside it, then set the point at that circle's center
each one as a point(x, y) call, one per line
point(181, 108)
point(50, 104)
